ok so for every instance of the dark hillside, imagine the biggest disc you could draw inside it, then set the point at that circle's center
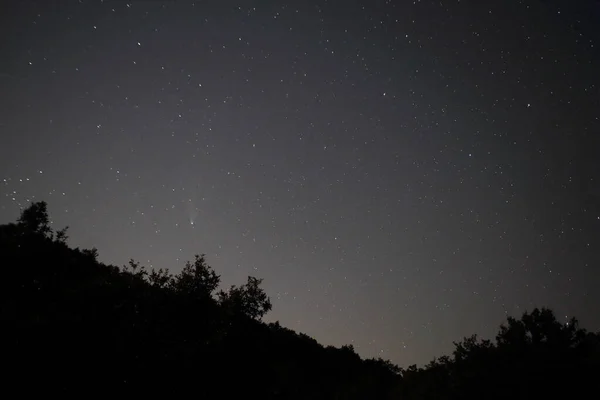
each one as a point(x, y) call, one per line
point(74, 322)
point(74, 325)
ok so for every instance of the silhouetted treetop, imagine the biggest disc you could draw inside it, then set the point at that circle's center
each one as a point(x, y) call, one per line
point(539, 327)
point(197, 279)
point(249, 299)
point(35, 219)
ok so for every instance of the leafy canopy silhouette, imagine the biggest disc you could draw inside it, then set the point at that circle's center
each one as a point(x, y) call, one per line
point(249, 299)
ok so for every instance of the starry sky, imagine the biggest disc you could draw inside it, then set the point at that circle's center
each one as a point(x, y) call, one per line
point(402, 174)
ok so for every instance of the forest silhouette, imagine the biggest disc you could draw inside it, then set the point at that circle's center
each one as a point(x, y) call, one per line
point(73, 325)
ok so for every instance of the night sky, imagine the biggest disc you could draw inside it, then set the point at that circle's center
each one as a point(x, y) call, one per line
point(402, 174)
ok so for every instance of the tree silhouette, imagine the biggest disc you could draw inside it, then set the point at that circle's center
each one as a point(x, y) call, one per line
point(34, 219)
point(160, 279)
point(197, 279)
point(535, 356)
point(540, 327)
point(249, 299)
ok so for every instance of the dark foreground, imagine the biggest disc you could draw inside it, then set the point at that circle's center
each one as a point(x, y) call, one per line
point(73, 325)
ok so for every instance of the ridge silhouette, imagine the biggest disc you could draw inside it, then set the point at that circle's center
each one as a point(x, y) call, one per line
point(73, 325)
